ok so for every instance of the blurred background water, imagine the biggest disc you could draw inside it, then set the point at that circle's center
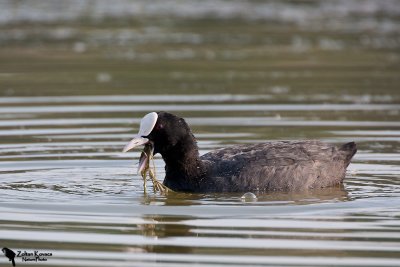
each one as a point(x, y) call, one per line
point(77, 76)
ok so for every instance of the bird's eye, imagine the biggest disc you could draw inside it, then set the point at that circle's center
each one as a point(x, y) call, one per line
point(159, 126)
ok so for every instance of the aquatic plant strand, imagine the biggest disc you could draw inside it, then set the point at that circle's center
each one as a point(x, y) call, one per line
point(151, 172)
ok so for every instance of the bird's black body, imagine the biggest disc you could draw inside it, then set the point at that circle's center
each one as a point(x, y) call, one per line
point(272, 166)
point(9, 254)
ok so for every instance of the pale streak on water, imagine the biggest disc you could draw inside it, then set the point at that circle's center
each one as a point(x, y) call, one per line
point(66, 188)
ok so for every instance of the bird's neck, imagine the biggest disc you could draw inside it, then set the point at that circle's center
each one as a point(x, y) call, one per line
point(183, 165)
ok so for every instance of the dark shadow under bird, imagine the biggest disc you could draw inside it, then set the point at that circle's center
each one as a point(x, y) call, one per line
point(270, 166)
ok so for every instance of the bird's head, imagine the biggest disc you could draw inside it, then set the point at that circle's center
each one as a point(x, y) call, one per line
point(162, 130)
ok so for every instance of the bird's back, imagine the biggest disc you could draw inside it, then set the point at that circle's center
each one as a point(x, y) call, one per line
point(276, 166)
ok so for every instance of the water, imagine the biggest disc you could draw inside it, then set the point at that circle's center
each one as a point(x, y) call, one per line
point(75, 84)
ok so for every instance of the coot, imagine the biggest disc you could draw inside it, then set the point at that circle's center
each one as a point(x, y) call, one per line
point(270, 166)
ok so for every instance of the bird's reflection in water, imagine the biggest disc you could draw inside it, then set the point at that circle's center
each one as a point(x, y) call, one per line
point(330, 194)
point(336, 193)
point(166, 227)
point(160, 226)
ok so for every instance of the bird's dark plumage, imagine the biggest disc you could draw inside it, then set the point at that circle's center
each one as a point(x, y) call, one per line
point(271, 166)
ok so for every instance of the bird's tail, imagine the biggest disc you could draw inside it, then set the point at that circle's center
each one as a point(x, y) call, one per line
point(13, 262)
point(349, 150)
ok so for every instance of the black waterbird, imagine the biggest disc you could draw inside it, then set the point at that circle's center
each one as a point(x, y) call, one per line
point(270, 166)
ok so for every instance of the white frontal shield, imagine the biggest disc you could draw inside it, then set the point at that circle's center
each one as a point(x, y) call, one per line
point(147, 124)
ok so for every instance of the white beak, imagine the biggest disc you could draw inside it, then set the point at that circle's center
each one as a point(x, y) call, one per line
point(136, 141)
point(146, 126)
